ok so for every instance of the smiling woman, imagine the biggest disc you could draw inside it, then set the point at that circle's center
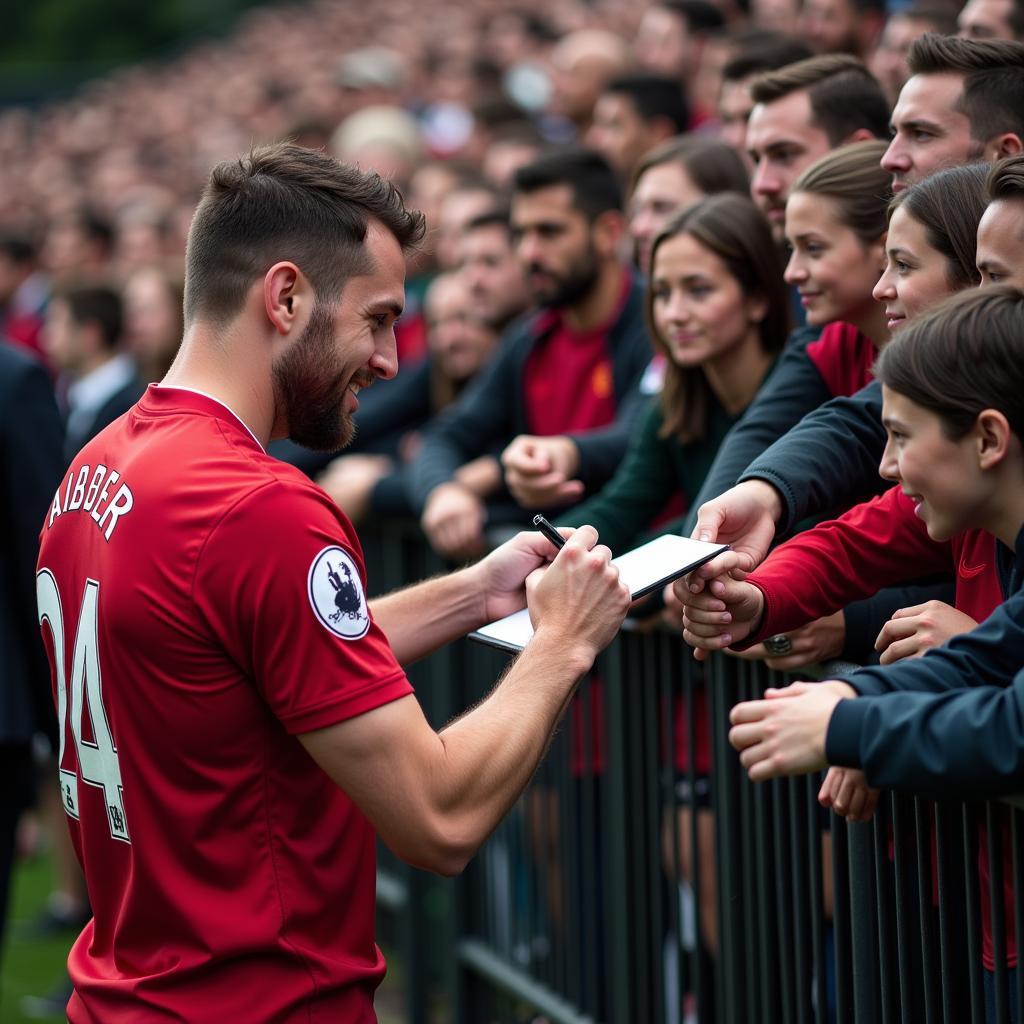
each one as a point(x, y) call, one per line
point(835, 223)
point(932, 242)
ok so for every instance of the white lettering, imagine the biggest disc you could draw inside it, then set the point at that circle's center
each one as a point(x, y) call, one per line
point(91, 495)
point(94, 486)
point(107, 484)
point(54, 508)
point(121, 505)
point(78, 494)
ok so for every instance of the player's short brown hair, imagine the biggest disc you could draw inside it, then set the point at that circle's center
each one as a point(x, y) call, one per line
point(285, 202)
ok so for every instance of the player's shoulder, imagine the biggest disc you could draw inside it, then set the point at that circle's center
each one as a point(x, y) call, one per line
point(279, 496)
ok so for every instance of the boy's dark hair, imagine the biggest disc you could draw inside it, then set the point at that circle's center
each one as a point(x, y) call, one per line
point(942, 19)
point(18, 249)
point(711, 165)
point(1006, 179)
point(496, 216)
point(962, 357)
point(843, 94)
point(733, 228)
point(654, 96)
point(96, 228)
point(700, 15)
point(993, 70)
point(285, 202)
point(949, 205)
point(759, 51)
point(94, 303)
point(595, 189)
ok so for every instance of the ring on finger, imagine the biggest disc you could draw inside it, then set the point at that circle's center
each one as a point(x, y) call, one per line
point(778, 645)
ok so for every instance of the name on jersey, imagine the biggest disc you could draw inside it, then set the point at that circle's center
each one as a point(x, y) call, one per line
point(91, 490)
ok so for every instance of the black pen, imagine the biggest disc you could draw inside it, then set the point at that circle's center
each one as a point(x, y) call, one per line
point(549, 531)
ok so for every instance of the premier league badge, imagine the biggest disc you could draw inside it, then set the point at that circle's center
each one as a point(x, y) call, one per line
point(336, 594)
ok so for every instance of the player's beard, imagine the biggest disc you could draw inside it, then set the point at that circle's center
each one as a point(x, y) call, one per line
point(310, 384)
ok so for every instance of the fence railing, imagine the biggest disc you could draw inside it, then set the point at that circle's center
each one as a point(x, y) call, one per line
point(643, 878)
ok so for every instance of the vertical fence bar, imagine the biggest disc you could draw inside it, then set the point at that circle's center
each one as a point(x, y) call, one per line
point(799, 870)
point(973, 901)
point(784, 920)
point(887, 997)
point(926, 839)
point(614, 811)
point(842, 922)
point(816, 887)
point(704, 991)
point(1017, 850)
point(994, 825)
point(721, 692)
point(951, 913)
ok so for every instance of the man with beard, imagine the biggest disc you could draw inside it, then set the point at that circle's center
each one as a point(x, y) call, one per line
point(239, 725)
point(564, 386)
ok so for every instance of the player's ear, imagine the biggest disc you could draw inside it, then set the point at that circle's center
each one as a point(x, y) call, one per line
point(286, 297)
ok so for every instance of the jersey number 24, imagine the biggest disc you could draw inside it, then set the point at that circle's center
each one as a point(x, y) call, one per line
point(97, 757)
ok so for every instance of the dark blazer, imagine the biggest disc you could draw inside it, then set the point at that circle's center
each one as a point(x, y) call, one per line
point(31, 465)
point(116, 405)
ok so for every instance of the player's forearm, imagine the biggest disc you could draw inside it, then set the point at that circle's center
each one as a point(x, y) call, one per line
point(490, 754)
point(417, 620)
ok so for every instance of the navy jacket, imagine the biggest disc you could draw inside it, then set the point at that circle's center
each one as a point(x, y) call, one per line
point(829, 460)
point(950, 723)
point(31, 465)
point(492, 410)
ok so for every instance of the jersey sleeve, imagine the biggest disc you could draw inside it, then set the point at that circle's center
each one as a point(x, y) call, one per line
point(281, 583)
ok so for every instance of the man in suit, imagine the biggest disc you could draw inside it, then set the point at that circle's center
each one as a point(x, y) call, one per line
point(80, 337)
point(31, 463)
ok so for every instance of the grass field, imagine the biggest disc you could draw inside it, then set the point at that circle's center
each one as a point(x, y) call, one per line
point(29, 967)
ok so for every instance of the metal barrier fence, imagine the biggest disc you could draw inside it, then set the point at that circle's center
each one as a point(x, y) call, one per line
point(643, 878)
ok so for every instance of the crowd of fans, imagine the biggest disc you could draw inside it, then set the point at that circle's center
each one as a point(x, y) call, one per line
point(667, 244)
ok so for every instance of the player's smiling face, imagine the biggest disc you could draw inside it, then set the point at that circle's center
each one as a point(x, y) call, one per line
point(345, 346)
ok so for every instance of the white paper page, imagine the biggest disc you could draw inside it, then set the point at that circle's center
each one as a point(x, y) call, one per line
point(643, 570)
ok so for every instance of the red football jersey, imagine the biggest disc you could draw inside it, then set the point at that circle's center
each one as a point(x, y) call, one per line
point(201, 604)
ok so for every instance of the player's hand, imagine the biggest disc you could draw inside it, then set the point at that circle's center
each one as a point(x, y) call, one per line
point(579, 597)
point(539, 470)
point(846, 791)
point(912, 631)
point(784, 734)
point(726, 613)
point(743, 517)
point(503, 573)
point(453, 520)
point(814, 642)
